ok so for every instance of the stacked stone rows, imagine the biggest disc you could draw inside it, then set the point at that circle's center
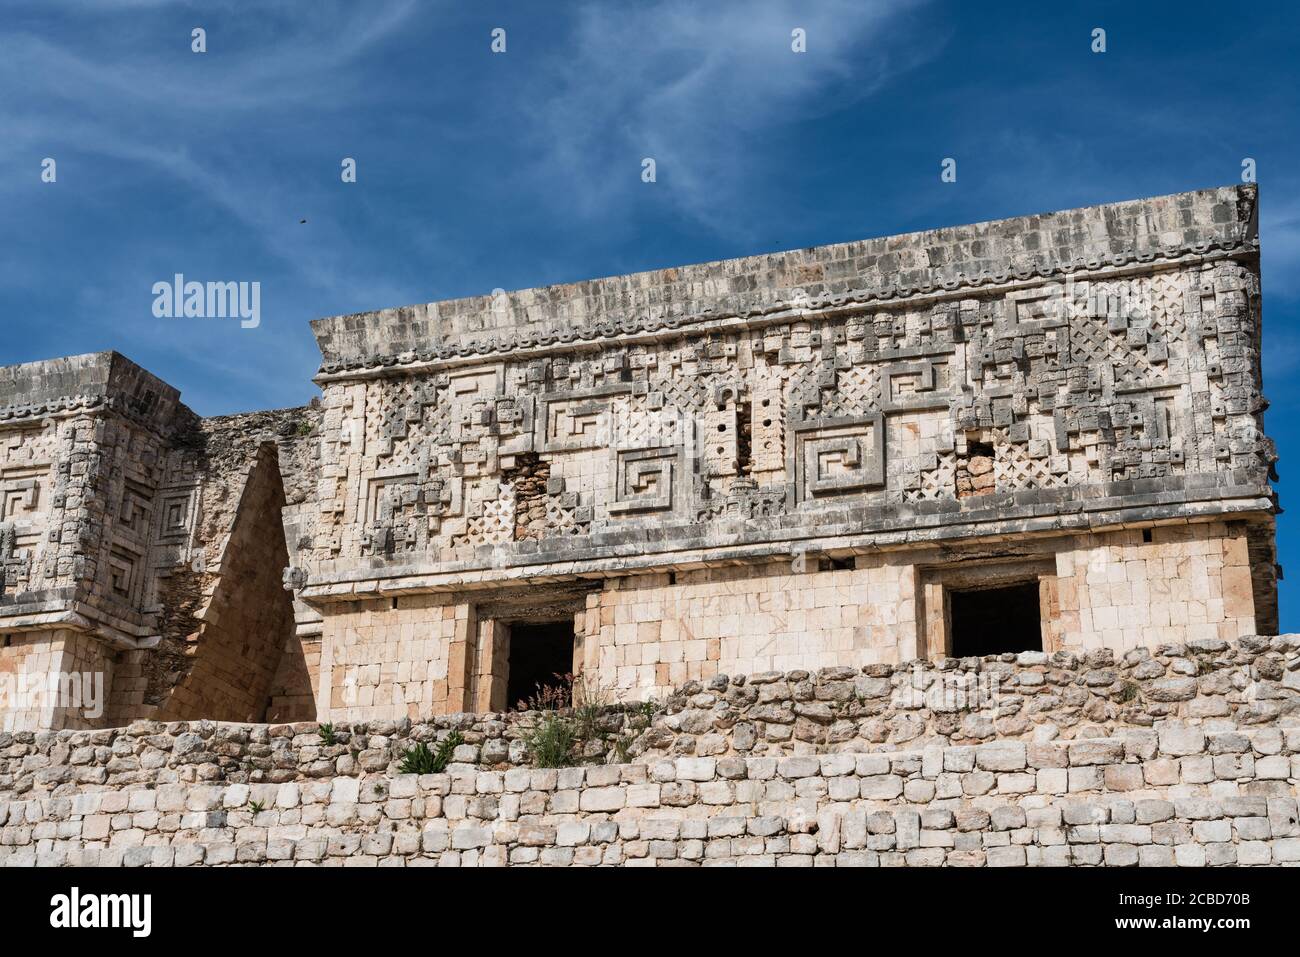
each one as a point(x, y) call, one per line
point(529, 482)
point(1173, 795)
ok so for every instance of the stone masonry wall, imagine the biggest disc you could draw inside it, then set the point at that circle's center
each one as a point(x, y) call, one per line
point(392, 658)
point(1120, 589)
point(1187, 755)
point(293, 692)
point(28, 659)
point(1127, 589)
point(1178, 795)
point(652, 633)
point(641, 636)
point(1033, 697)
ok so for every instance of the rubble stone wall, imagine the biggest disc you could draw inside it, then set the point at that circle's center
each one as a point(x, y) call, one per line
point(1033, 696)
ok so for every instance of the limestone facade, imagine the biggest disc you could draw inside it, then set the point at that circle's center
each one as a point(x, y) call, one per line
point(800, 460)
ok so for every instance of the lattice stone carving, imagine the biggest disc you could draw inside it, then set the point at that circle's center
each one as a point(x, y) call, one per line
point(490, 520)
point(857, 392)
point(939, 481)
point(1018, 466)
point(565, 517)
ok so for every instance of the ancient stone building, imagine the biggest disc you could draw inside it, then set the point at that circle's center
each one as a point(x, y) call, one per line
point(1038, 433)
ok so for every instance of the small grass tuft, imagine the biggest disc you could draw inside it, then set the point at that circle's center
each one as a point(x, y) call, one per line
point(551, 742)
point(421, 760)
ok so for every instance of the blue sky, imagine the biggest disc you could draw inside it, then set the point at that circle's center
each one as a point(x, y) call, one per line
point(479, 170)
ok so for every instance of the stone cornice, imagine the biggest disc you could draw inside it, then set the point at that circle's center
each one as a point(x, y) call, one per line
point(886, 272)
point(90, 384)
point(623, 330)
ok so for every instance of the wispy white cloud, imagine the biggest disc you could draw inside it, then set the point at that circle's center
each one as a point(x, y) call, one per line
point(286, 59)
point(122, 100)
point(135, 119)
point(701, 88)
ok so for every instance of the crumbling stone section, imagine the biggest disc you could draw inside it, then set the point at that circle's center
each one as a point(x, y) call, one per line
point(143, 546)
point(224, 621)
point(248, 618)
point(974, 468)
point(528, 481)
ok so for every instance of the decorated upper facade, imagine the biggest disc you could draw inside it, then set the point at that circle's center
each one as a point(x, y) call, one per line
point(908, 402)
point(1066, 370)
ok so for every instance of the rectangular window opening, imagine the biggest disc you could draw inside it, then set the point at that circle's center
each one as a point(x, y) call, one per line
point(541, 664)
point(992, 621)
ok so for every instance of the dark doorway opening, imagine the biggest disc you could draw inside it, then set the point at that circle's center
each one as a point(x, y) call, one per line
point(990, 621)
point(541, 656)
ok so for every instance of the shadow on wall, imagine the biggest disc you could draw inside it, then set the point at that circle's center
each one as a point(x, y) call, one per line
point(223, 660)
